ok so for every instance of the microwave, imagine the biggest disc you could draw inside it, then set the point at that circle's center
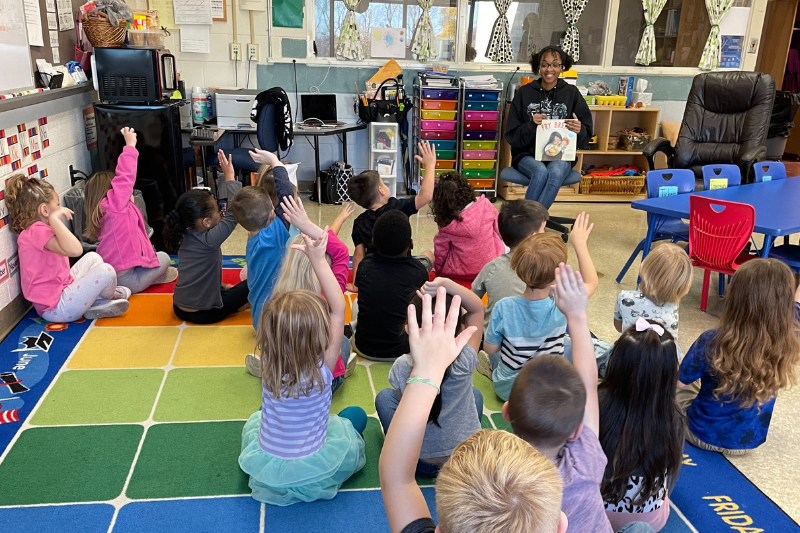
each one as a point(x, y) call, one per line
point(134, 75)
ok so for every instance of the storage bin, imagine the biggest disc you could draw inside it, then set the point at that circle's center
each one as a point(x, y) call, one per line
point(478, 135)
point(439, 104)
point(445, 115)
point(445, 125)
point(440, 171)
point(152, 39)
point(486, 125)
point(482, 183)
point(443, 145)
point(478, 163)
point(479, 94)
point(612, 184)
point(437, 134)
point(477, 173)
point(479, 154)
point(633, 142)
point(480, 115)
point(441, 94)
point(447, 164)
point(480, 145)
point(482, 105)
point(445, 154)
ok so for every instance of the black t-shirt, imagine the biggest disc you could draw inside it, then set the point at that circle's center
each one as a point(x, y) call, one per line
point(385, 288)
point(363, 224)
point(420, 525)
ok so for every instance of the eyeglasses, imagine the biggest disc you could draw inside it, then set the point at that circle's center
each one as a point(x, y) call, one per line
point(543, 66)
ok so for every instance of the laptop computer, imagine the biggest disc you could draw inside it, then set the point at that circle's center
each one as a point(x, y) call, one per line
point(319, 109)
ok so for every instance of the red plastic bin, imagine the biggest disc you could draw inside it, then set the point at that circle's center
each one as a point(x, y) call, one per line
point(486, 125)
point(436, 124)
point(444, 105)
point(480, 115)
point(479, 154)
point(438, 134)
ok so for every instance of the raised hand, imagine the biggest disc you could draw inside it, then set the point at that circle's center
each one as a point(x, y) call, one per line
point(61, 211)
point(569, 292)
point(262, 156)
point(129, 135)
point(314, 250)
point(427, 154)
point(226, 165)
point(579, 235)
point(294, 212)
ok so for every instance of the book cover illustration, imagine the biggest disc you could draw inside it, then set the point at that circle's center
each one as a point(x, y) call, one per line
point(554, 142)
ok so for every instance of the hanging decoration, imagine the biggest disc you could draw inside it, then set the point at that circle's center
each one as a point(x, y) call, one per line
point(573, 9)
point(349, 46)
point(712, 51)
point(647, 48)
point(500, 49)
point(424, 43)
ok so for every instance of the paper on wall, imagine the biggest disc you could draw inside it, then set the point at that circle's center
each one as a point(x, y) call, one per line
point(56, 57)
point(165, 12)
point(217, 9)
point(388, 42)
point(33, 20)
point(253, 5)
point(735, 21)
point(192, 11)
point(52, 21)
point(196, 38)
point(53, 39)
point(65, 20)
point(50, 6)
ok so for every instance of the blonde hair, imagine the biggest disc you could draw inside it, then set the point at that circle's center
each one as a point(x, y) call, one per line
point(293, 334)
point(536, 258)
point(666, 274)
point(23, 198)
point(757, 346)
point(495, 481)
point(265, 179)
point(96, 189)
point(296, 273)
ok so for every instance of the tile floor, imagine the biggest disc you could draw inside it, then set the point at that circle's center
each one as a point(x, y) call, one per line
point(775, 466)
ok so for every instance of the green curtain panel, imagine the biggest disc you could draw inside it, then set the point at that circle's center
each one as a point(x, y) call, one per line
point(287, 13)
point(424, 44)
point(712, 51)
point(500, 49)
point(647, 48)
point(349, 46)
point(573, 9)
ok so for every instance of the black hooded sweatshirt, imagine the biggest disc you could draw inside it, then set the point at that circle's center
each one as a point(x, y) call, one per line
point(560, 102)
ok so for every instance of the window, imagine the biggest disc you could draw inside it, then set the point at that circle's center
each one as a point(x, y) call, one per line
point(329, 17)
point(681, 31)
point(534, 25)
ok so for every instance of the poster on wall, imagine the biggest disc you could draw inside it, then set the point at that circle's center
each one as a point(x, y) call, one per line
point(90, 128)
point(731, 51)
point(388, 42)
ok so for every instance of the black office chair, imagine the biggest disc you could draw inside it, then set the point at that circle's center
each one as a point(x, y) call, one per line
point(267, 140)
point(726, 121)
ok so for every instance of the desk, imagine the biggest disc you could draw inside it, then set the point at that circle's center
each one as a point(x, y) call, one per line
point(775, 203)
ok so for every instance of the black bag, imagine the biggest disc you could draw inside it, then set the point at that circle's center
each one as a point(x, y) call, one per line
point(385, 110)
point(342, 173)
point(284, 130)
point(330, 194)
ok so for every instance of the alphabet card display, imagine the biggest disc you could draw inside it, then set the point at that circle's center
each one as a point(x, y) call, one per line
point(554, 142)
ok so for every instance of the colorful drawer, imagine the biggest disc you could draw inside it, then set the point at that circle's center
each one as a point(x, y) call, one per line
point(445, 164)
point(478, 135)
point(486, 125)
point(482, 105)
point(479, 154)
point(449, 154)
point(480, 145)
point(478, 164)
point(440, 171)
point(438, 134)
point(482, 183)
point(479, 115)
point(443, 94)
point(477, 173)
point(444, 125)
point(443, 145)
point(478, 94)
point(439, 104)
point(444, 115)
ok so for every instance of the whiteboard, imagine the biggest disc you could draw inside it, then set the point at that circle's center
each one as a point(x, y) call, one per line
point(14, 47)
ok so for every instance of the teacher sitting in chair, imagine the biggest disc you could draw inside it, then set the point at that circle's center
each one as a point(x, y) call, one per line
point(548, 97)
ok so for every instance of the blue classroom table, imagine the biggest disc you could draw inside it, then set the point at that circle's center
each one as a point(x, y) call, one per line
point(777, 205)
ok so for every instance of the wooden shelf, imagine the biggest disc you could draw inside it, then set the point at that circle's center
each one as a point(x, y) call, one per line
point(609, 152)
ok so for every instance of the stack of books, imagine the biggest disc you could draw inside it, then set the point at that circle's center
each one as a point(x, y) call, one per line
point(429, 78)
point(486, 81)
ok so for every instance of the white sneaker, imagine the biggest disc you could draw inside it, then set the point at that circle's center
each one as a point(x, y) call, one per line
point(107, 309)
point(484, 364)
point(252, 363)
point(350, 366)
point(170, 275)
point(122, 293)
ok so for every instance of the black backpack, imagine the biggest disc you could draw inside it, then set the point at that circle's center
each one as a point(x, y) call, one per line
point(330, 194)
point(284, 130)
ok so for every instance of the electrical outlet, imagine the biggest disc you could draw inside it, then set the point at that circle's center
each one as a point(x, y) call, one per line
point(753, 46)
point(252, 52)
point(236, 52)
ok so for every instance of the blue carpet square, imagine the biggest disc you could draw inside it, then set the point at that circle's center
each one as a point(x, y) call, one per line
point(202, 515)
point(92, 518)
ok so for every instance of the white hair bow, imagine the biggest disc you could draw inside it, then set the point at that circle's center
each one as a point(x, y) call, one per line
point(644, 325)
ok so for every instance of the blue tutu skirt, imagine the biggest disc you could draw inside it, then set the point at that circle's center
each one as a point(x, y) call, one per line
point(317, 477)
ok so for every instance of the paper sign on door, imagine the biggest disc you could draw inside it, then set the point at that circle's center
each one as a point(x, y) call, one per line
point(667, 191)
point(718, 183)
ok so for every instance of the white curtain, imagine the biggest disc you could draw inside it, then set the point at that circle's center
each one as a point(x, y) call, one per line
point(647, 48)
point(573, 9)
point(349, 46)
point(500, 49)
point(424, 43)
point(712, 51)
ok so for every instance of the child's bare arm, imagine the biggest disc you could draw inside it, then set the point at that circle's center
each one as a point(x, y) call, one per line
point(428, 157)
point(579, 237)
point(344, 214)
point(469, 301)
point(571, 298)
point(295, 214)
point(63, 242)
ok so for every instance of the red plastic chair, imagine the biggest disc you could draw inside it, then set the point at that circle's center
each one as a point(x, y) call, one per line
point(718, 232)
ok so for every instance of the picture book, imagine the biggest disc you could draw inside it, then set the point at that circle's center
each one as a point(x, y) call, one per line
point(554, 142)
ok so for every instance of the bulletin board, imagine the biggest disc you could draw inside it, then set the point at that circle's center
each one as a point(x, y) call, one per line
point(66, 38)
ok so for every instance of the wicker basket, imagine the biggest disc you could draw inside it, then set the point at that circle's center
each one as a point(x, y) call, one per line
point(102, 34)
point(612, 184)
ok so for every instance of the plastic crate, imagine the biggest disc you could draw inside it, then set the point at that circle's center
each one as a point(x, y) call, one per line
point(477, 173)
point(479, 154)
point(480, 115)
point(478, 135)
point(443, 145)
point(482, 183)
point(437, 134)
point(480, 145)
point(445, 125)
point(482, 105)
point(446, 164)
point(439, 104)
point(480, 94)
point(438, 114)
point(440, 94)
point(478, 163)
point(486, 125)
point(445, 154)
point(632, 185)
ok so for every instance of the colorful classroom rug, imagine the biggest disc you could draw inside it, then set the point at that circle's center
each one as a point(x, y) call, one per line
point(133, 424)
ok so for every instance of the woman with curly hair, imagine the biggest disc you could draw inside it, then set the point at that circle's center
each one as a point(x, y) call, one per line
point(468, 236)
point(734, 372)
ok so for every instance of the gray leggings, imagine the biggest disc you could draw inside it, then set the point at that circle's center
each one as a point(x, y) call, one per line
point(138, 279)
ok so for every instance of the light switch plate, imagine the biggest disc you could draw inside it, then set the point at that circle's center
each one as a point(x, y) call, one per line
point(753, 46)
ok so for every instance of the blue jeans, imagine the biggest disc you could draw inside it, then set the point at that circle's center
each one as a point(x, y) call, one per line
point(637, 527)
point(544, 179)
point(386, 403)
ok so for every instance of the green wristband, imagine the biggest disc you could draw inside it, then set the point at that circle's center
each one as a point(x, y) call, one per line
point(423, 380)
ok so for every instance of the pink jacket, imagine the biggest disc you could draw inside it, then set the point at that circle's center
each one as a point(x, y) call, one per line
point(462, 248)
point(123, 238)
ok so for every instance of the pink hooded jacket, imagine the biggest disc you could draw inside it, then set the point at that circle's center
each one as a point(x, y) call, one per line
point(123, 237)
point(462, 248)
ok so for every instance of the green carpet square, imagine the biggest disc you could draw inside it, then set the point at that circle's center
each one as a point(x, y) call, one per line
point(179, 460)
point(208, 394)
point(490, 399)
point(100, 397)
point(380, 375)
point(355, 390)
point(486, 423)
point(500, 422)
point(68, 464)
point(367, 477)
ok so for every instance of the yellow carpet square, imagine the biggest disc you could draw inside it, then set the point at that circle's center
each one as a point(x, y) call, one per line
point(215, 346)
point(125, 348)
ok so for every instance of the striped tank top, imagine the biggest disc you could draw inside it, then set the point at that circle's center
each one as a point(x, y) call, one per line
point(295, 428)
